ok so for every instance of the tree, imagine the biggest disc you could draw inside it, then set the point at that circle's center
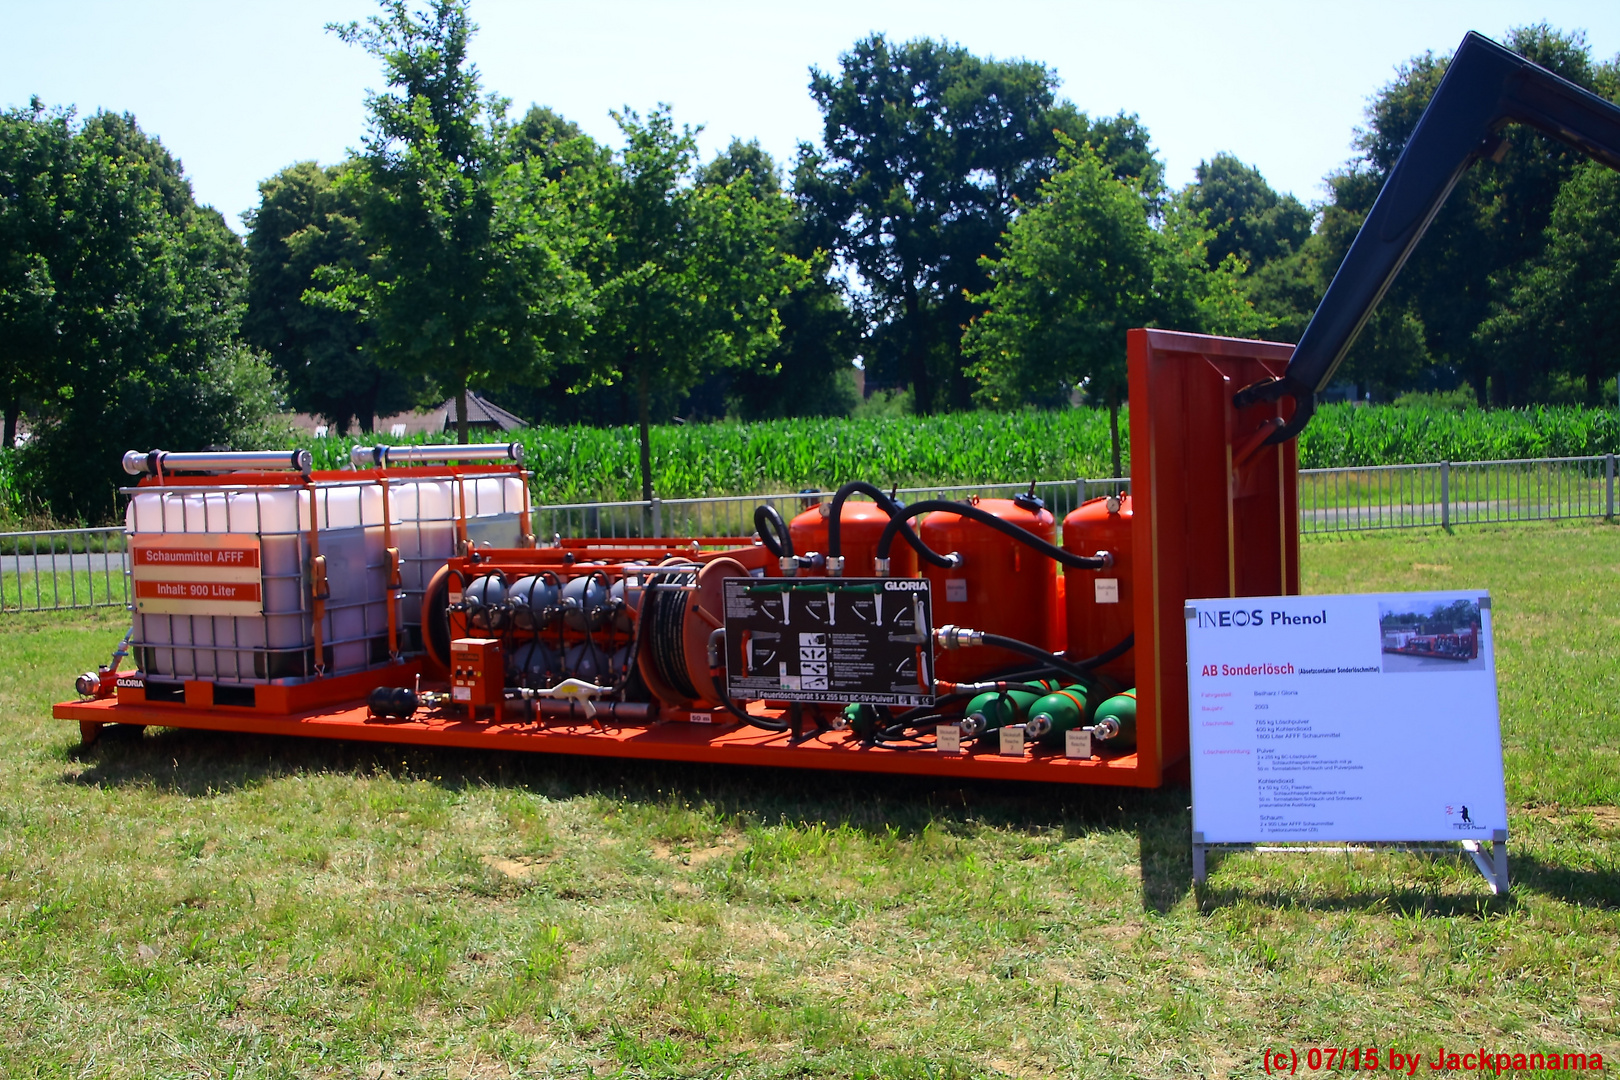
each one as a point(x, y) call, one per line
point(1564, 301)
point(926, 152)
point(35, 150)
point(1079, 268)
point(808, 372)
point(687, 275)
point(306, 221)
point(143, 303)
point(468, 276)
point(1492, 225)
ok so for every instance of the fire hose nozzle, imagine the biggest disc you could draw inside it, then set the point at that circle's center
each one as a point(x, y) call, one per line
point(951, 636)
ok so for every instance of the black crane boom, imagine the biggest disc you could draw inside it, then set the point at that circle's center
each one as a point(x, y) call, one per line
point(1486, 88)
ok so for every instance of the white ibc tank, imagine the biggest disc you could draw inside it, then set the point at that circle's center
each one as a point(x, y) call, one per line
point(279, 644)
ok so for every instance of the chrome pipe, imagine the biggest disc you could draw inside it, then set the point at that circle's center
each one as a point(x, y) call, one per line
point(381, 457)
point(137, 463)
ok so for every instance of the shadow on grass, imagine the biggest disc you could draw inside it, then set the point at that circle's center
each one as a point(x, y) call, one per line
point(198, 764)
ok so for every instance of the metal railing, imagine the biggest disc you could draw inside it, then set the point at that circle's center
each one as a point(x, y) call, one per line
point(81, 568)
point(63, 568)
point(1447, 493)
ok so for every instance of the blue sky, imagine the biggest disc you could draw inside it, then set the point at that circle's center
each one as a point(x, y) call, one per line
point(240, 89)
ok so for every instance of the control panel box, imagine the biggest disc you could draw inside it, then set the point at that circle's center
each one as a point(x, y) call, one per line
point(477, 672)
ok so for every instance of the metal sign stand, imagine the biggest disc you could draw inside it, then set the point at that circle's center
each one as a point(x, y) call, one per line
point(1494, 869)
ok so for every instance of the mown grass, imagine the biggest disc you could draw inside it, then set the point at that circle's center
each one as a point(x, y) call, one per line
point(204, 905)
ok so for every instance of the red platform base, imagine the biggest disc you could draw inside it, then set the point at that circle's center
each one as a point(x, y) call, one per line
point(668, 740)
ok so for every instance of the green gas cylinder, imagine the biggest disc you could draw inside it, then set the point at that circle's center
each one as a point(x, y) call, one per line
point(992, 711)
point(1115, 721)
point(862, 719)
point(1055, 714)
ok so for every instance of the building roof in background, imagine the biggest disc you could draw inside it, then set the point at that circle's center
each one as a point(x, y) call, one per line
point(481, 413)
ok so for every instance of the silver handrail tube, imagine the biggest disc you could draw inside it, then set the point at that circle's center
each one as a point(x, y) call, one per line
point(152, 461)
point(381, 457)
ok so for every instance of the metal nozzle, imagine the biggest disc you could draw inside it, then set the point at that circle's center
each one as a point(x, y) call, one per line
point(951, 636)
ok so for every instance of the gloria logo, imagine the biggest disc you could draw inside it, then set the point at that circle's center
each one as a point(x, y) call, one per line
point(1239, 617)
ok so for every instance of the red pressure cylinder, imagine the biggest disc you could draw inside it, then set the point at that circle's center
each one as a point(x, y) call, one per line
point(1101, 603)
point(862, 524)
point(1002, 586)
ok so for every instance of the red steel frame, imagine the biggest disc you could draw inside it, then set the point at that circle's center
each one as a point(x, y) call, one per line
point(1216, 514)
point(1216, 510)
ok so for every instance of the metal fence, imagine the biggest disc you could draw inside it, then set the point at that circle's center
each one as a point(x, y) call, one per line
point(1450, 493)
point(80, 568)
point(63, 568)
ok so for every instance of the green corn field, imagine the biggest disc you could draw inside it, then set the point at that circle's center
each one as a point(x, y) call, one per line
point(582, 464)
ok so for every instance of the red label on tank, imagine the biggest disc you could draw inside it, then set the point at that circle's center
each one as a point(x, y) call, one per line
point(232, 557)
point(235, 591)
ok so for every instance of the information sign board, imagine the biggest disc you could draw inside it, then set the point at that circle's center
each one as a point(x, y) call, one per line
point(197, 574)
point(829, 640)
point(1350, 718)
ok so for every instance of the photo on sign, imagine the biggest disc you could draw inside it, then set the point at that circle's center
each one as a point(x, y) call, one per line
point(1439, 636)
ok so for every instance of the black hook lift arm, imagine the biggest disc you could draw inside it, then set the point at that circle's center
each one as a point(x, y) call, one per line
point(1485, 88)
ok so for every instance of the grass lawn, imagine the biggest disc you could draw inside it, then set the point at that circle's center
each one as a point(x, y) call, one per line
point(191, 904)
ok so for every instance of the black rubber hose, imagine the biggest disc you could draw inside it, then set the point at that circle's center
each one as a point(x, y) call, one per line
point(835, 522)
point(1079, 670)
point(984, 517)
point(773, 531)
point(742, 714)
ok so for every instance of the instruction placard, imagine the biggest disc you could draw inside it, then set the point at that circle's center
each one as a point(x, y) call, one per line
point(829, 640)
point(1368, 717)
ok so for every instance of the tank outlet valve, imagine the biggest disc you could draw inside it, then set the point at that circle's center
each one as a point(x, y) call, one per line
point(1107, 559)
point(1105, 729)
point(972, 725)
point(1037, 726)
point(835, 566)
point(951, 636)
point(956, 559)
point(880, 567)
point(789, 565)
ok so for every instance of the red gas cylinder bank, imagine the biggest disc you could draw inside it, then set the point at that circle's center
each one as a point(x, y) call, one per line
point(862, 525)
point(1101, 603)
point(1002, 587)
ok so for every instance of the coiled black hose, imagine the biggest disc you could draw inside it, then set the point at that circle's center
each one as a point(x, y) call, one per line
point(983, 517)
point(835, 523)
point(773, 531)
